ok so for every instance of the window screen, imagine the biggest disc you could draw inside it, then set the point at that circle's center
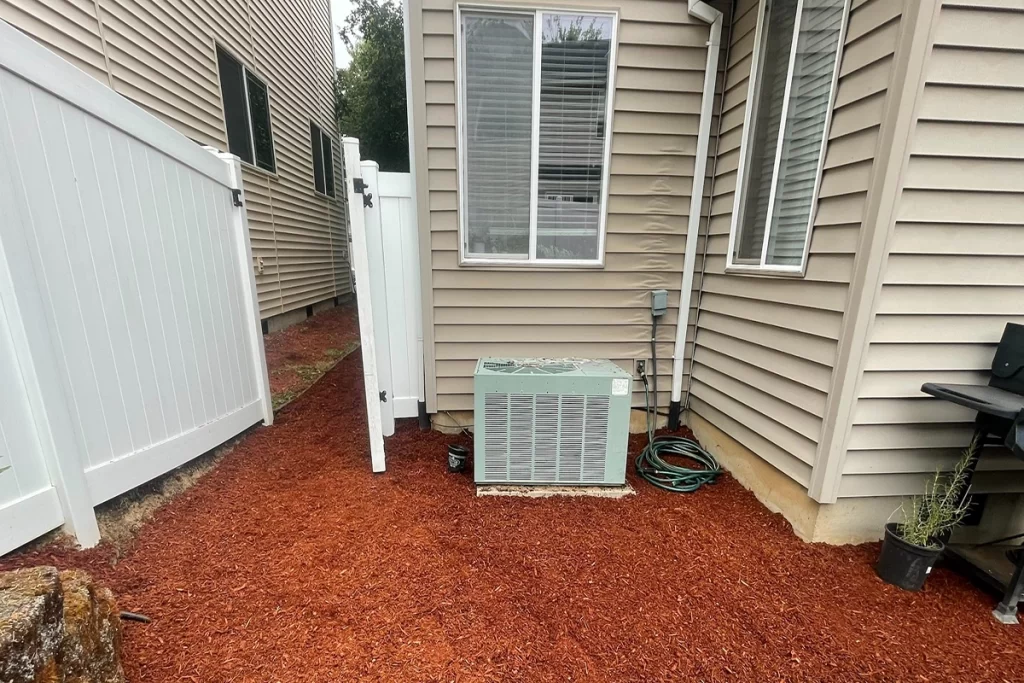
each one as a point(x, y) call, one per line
point(788, 127)
point(236, 114)
point(259, 112)
point(534, 122)
point(316, 142)
point(328, 153)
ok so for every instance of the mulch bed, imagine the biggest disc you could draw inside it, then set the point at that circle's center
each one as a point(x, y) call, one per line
point(298, 355)
point(292, 562)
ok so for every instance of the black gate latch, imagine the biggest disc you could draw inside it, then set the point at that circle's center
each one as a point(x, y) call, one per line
point(384, 397)
point(359, 186)
point(236, 197)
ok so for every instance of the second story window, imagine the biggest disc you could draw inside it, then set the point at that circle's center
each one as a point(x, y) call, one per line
point(246, 113)
point(323, 160)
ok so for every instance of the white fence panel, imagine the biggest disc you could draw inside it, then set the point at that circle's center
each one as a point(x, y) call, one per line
point(29, 505)
point(378, 296)
point(131, 265)
point(400, 246)
point(367, 320)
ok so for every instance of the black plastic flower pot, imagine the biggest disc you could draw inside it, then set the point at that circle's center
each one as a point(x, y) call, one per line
point(457, 457)
point(904, 564)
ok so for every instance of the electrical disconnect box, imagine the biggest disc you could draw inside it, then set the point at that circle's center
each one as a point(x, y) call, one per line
point(659, 302)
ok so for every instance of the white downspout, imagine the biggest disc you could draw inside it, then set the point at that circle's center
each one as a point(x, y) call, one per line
point(704, 12)
point(418, 309)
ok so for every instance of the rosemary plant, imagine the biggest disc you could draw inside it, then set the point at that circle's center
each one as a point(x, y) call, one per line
point(943, 506)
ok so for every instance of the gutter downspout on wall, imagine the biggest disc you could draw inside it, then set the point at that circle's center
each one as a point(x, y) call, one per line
point(418, 313)
point(705, 12)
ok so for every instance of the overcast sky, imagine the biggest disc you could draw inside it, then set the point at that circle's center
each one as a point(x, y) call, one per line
point(339, 10)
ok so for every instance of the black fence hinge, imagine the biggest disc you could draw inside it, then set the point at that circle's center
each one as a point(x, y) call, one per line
point(236, 197)
point(384, 397)
point(359, 186)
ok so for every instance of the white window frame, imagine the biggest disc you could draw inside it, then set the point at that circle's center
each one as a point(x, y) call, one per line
point(753, 94)
point(465, 258)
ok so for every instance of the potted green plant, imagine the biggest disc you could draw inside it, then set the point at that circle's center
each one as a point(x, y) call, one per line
point(911, 547)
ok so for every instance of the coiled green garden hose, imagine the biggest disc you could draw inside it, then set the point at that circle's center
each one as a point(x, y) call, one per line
point(654, 468)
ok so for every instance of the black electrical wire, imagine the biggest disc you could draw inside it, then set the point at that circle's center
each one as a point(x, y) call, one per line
point(652, 466)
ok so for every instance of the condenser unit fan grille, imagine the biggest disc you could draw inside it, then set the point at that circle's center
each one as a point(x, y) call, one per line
point(545, 437)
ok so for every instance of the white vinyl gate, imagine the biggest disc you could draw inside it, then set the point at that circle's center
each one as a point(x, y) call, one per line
point(393, 250)
point(130, 338)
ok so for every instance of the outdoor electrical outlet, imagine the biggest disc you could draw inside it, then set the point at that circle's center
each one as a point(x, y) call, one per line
point(641, 368)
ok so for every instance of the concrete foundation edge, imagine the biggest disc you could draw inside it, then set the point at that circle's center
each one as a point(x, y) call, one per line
point(854, 520)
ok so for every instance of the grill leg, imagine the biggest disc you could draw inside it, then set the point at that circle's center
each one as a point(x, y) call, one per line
point(1006, 611)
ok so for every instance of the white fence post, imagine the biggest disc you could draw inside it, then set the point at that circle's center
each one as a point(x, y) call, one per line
point(361, 265)
point(244, 253)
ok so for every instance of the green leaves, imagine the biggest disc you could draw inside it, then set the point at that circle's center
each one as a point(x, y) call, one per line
point(943, 506)
point(370, 94)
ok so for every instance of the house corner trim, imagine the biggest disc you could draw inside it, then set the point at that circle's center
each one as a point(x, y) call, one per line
point(904, 93)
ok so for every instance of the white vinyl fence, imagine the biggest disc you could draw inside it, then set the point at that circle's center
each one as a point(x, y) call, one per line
point(394, 259)
point(130, 338)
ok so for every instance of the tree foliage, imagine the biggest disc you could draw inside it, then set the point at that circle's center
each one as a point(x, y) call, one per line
point(370, 93)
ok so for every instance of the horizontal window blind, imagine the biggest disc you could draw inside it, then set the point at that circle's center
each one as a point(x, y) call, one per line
point(499, 129)
point(766, 124)
point(777, 198)
point(810, 97)
point(573, 92)
point(534, 125)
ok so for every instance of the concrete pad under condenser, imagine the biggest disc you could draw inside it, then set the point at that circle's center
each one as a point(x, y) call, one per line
point(535, 491)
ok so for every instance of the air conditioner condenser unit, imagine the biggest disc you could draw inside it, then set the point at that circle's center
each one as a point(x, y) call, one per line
point(550, 421)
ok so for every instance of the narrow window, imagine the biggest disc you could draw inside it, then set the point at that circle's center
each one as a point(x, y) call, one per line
point(246, 113)
point(534, 129)
point(790, 102)
point(316, 142)
point(259, 110)
point(328, 152)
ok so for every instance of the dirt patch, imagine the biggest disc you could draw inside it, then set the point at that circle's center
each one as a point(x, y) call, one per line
point(291, 561)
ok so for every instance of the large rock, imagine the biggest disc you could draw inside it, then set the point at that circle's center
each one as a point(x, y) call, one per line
point(57, 628)
point(91, 649)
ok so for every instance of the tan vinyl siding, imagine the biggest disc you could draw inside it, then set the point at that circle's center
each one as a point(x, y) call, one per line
point(598, 313)
point(766, 347)
point(67, 27)
point(162, 56)
point(955, 269)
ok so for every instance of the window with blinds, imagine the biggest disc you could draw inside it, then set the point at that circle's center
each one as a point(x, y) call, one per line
point(535, 134)
point(790, 103)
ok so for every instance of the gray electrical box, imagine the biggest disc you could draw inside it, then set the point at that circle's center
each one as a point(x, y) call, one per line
point(659, 302)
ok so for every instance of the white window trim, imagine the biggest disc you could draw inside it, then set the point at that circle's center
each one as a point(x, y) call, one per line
point(465, 258)
point(753, 93)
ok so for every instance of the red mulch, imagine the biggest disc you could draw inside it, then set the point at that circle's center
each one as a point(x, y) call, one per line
point(292, 562)
point(308, 343)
